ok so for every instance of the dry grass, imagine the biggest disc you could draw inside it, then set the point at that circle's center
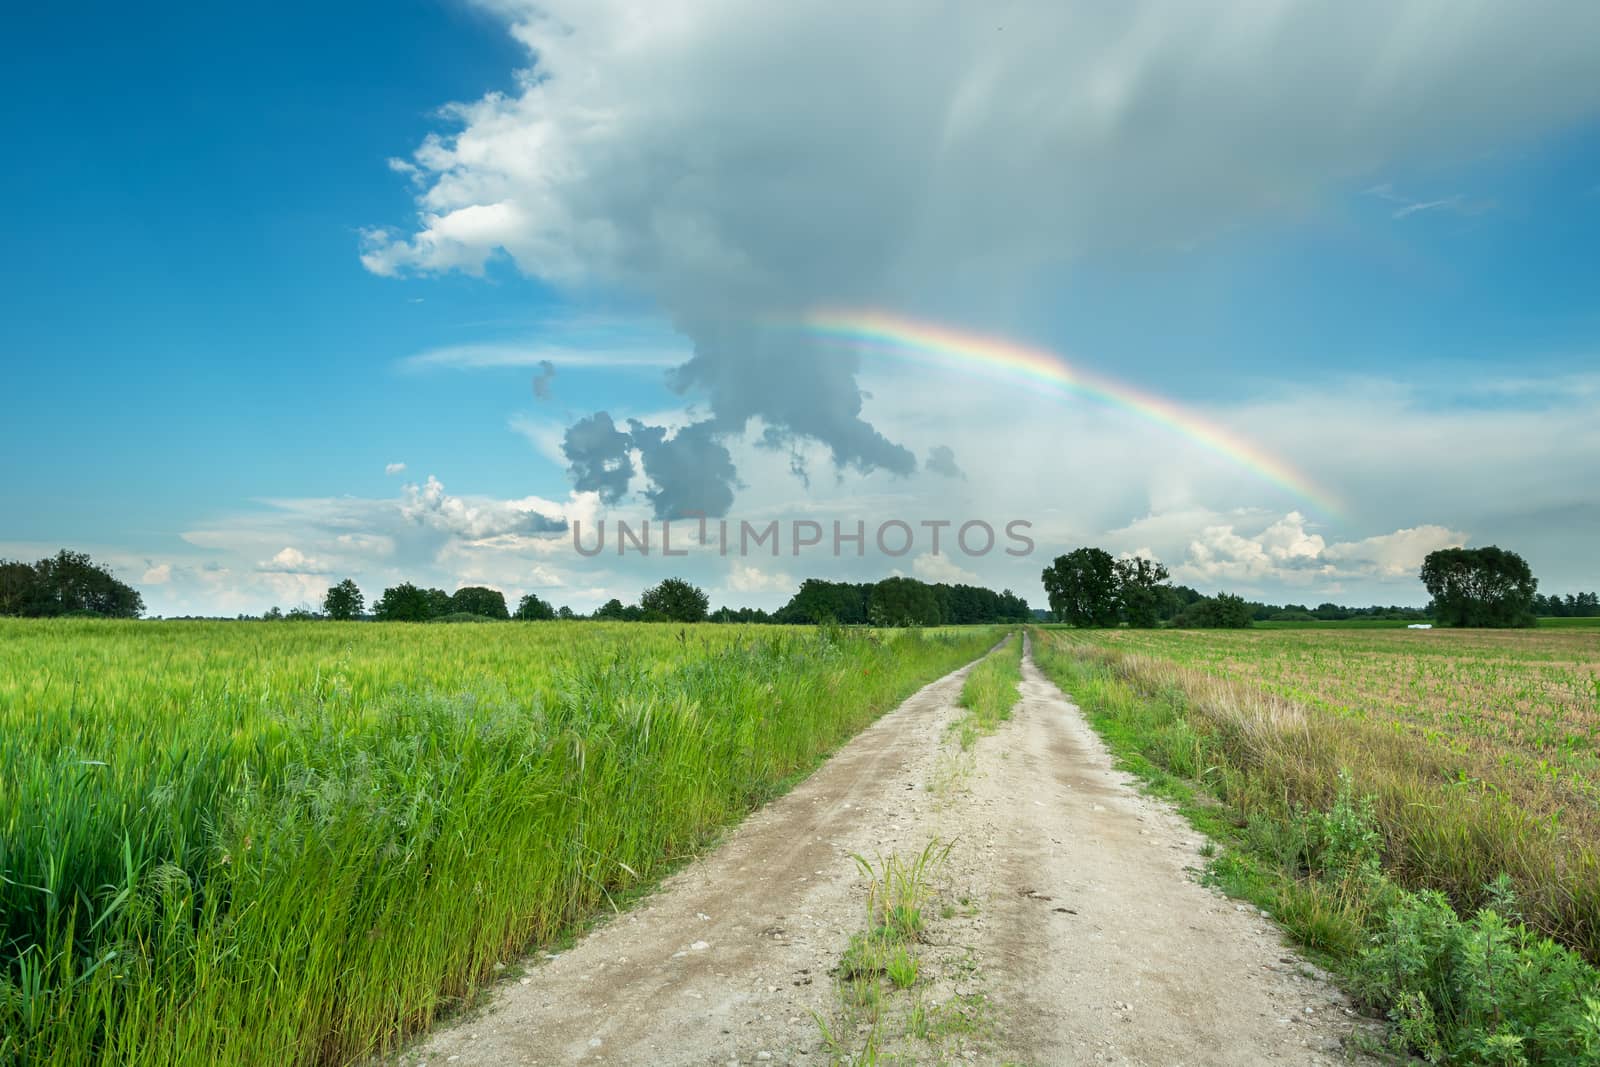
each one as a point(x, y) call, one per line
point(1478, 748)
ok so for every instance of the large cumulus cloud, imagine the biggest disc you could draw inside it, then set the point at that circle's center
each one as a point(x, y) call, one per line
point(733, 160)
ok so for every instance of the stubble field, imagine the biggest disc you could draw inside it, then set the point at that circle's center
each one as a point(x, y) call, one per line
point(1352, 774)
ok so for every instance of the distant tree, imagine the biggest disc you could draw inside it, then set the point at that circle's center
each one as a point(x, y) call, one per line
point(1480, 586)
point(1174, 598)
point(20, 591)
point(903, 602)
point(438, 603)
point(727, 614)
point(1555, 606)
point(479, 600)
point(1223, 611)
point(675, 600)
point(822, 601)
point(533, 609)
point(1013, 608)
point(404, 603)
point(565, 613)
point(611, 609)
point(301, 614)
point(344, 601)
point(1141, 590)
point(68, 583)
point(1082, 587)
point(272, 614)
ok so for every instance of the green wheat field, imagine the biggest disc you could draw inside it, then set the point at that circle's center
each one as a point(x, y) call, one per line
point(296, 843)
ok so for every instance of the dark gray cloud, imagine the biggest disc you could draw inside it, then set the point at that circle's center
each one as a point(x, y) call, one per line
point(797, 387)
point(942, 460)
point(542, 380)
point(691, 472)
point(535, 523)
point(600, 455)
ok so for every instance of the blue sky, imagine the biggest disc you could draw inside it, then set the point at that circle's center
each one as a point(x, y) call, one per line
point(228, 263)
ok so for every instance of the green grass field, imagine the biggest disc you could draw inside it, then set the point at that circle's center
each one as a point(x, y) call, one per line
point(284, 843)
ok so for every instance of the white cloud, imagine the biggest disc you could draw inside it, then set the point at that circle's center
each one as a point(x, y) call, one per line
point(157, 574)
point(665, 138)
point(746, 578)
point(394, 468)
point(1286, 553)
point(298, 590)
point(1394, 555)
point(429, 505)
point(543, 434)
point(941, 568)
point(291, 560)
point(467, 357)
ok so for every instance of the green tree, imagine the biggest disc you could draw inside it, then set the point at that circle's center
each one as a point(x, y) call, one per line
point(1142, 592)
point(404, 603)
point(822, 601)
point(20, 593)
point(611, 609)
point(1223, 611)
point(438, 603)
point(1082, 587)
point(676, 600)
point(533, 609)
point(68, 583)
point(1013, 608)
point(903, 602)
point(480, 600)
point(344, 601)
point(1480, 586)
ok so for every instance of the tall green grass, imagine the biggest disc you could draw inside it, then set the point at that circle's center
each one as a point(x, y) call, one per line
point(990, 692)
point(295, 843)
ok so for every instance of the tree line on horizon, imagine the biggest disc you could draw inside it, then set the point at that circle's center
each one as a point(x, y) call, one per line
point(1087, 587)
point(1468, 587)
point(1572, 606)
point(894, 601)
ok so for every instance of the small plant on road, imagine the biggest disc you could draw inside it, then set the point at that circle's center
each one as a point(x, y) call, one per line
point(897, 890)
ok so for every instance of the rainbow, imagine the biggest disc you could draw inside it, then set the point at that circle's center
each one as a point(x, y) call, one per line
point(932, 343)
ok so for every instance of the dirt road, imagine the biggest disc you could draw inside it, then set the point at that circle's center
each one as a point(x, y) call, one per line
point(1067, 929)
